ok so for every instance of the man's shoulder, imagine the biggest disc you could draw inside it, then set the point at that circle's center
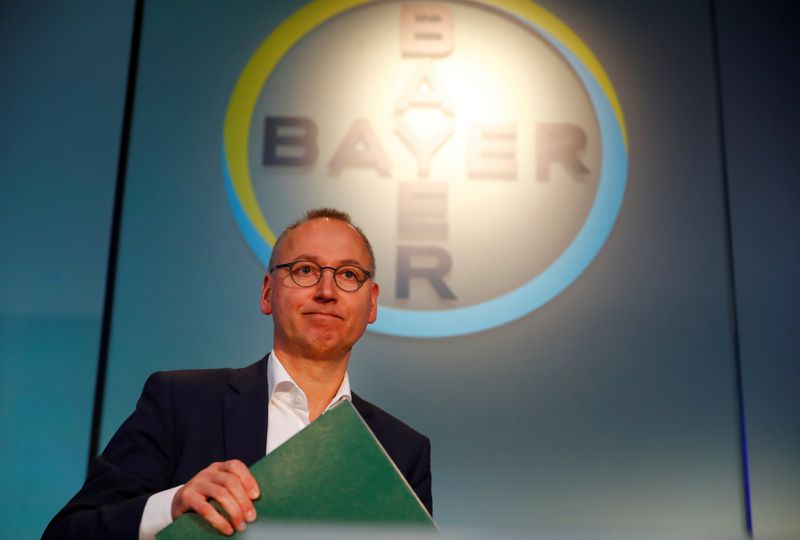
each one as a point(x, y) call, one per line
point(208, 380)
point(385, 425)
point(409, 449)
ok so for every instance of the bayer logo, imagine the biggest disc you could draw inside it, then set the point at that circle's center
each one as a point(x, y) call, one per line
point(485, 159)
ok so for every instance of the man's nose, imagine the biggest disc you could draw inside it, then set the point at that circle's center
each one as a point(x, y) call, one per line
point(326, 286)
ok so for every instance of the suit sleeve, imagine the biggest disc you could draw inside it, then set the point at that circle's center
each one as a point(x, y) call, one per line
point(420, 476)
point(138, 461)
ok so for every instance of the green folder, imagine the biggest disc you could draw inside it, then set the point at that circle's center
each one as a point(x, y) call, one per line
point(333, 471)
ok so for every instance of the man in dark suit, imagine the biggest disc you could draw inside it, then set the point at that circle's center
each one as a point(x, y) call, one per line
point(194, 433)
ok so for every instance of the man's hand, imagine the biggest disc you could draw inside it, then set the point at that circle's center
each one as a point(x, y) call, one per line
point(231, 485)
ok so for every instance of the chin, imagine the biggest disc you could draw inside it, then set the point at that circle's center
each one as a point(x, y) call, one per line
point(325, 349)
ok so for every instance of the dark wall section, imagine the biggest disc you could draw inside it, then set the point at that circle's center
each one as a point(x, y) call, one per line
point(759, 52)
point(61, 98)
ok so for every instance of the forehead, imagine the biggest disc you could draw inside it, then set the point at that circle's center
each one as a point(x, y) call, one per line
point(328, 240)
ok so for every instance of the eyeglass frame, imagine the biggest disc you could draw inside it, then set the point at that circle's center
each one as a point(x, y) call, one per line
point(289, 265)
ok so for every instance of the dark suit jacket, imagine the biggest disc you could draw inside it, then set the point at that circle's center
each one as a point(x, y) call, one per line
point(186, 420)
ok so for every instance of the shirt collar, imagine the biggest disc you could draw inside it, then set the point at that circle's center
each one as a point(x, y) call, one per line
point(278, 377)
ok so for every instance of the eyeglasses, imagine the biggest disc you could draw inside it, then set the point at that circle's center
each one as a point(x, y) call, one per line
point(349, 277)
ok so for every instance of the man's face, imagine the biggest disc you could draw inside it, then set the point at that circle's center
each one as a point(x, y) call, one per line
point(321, 321)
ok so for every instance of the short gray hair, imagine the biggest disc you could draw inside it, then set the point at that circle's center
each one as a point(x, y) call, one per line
point(321, 213)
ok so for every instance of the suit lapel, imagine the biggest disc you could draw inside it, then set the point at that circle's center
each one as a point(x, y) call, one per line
point(245, 414)
point(364, 408)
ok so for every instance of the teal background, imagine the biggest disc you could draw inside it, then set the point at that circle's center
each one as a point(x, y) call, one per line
point(614, 408)
point(62, 91)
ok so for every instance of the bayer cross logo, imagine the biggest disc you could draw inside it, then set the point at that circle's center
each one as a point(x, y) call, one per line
point(484, 157)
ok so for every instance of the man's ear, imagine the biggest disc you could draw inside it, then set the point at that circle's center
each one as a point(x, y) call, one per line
point(373, 312)
point(266, 290)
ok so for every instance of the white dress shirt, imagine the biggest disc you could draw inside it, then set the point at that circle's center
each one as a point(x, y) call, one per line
point(288, 414)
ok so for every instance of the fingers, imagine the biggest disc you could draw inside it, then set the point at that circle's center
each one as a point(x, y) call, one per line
point(226, 488)
point(210, 514)
point(243, 473)
point(231, 485)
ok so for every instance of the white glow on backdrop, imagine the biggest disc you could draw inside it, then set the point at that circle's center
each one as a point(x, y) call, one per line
point(434, 154)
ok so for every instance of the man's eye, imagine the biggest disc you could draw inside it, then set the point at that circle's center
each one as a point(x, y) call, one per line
point(350, 274)
point(304, 269)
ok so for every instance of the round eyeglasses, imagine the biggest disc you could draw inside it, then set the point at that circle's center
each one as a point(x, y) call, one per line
point(348, 277)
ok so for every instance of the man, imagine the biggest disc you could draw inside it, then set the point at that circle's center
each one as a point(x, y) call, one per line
point(194, 433)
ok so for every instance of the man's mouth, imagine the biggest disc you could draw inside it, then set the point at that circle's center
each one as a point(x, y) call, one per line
point(322, 315)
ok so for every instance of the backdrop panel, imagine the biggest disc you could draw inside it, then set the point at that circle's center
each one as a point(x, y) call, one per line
point(611, 407)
